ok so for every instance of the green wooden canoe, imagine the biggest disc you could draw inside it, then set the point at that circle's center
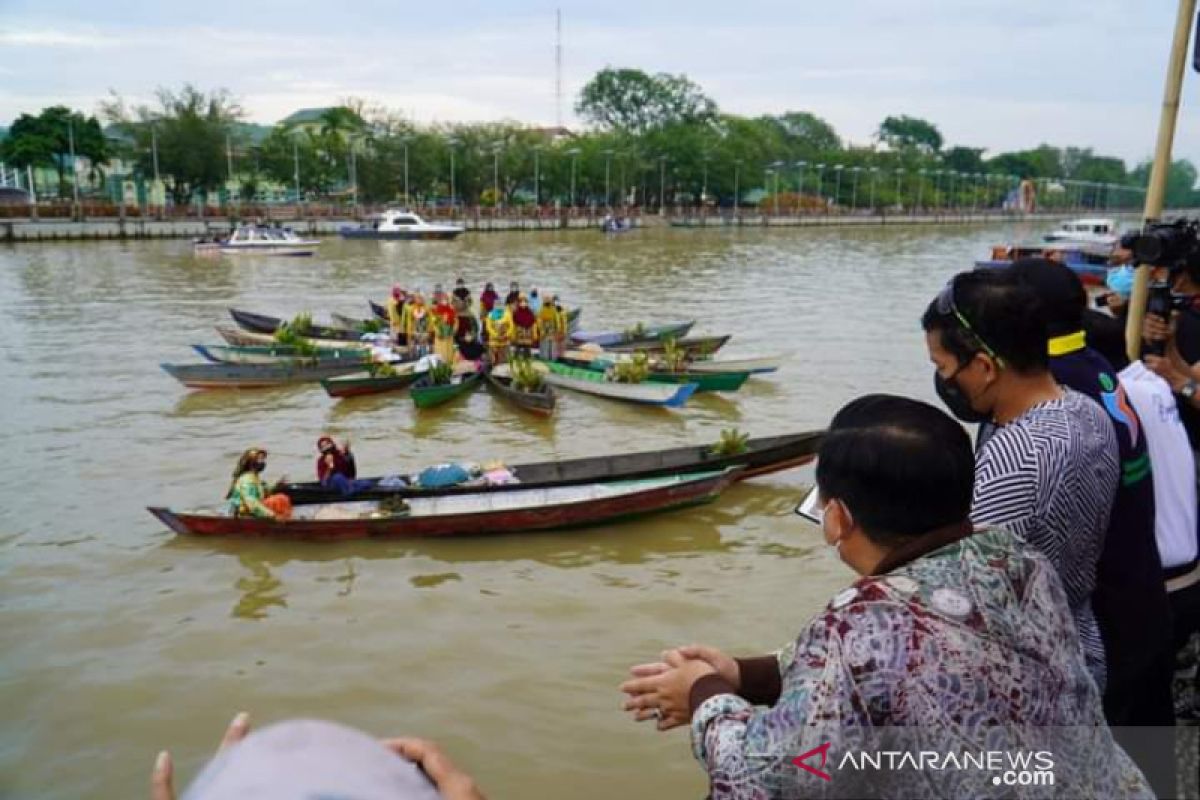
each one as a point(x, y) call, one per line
point(705, 381)
point(426, 395)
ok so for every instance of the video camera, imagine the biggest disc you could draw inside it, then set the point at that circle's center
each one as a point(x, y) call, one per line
point(1174, 245)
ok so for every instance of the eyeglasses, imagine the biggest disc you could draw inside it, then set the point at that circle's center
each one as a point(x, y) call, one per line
point(811, 507)
point(945, 305)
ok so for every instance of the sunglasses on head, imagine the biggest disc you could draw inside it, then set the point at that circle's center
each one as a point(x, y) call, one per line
point(946, 307)
point(811, 507)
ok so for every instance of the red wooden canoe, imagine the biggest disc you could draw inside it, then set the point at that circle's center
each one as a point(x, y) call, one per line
point(483, 513)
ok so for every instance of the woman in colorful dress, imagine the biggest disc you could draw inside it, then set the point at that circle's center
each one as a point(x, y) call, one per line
point(499, 329)
point(248, 496)
point(418, 326)
point(487, 300)
point(445, 326)
point(525, 327)
point(395, 313)
point(951, 641)
point(468, 324)
point(548, 321)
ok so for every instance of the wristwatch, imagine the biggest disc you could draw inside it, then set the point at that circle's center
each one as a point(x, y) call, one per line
point(1189, 390)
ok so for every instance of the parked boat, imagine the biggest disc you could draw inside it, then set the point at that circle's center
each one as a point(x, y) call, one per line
point(261, 323)
point(355, 324)
point(398, 224)
point(542, 401)
point(264, 354)
point(647, 335)
point(363, 383)
point(259, 240)
point(755, 365)
point(1090, 230)
point(255, 376)
point(1089, 262)
point(595, 383)
point(426, 394)
point(474, 513)
point(694, 346)
point(711, 381)
point(762, 456)
point(242, 338)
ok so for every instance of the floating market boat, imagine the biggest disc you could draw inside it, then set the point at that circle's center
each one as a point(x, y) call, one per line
point(241, 338)
point(255, 376)
point(261, 323)
point(760, 456)
point(364, 383)
point(474, 513)
point(542, 401)
point(755, 365)
point(399, 224)
point(427, 394)
point(642, 335)
point(705, 381)
point(596, 383)
point(693, 347)
point(266, 354)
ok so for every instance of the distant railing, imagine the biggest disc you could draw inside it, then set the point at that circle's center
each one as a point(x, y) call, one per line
point(57, 210)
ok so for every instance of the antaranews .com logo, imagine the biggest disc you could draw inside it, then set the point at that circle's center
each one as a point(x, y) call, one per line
point(999, 767)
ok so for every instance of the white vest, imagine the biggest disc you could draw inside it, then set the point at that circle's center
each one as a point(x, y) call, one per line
point(1172, 462)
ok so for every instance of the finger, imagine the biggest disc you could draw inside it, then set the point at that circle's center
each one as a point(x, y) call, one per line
point(641, 685)
point(642, 715)
point(675, 658)
point(698, 651)
point(641, 701)
point(239, 726)
point(161, 783)
point(408, 747)
point(648, 670)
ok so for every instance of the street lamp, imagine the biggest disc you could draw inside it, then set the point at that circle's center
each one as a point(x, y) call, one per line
point(296, 165)
point(704, 182)
point(607, 165)
point(800, 165)
point(496, 178)
point(537, 177)
point(920, 189)
point(837, 186)
point(404, 140)
point(452, 143)
point(871, 174)
point(154, 155)
point(574, 154)
point(737, 169)
point(854, 190)
point(662, 184)
point(899, 177)
point(820, 168)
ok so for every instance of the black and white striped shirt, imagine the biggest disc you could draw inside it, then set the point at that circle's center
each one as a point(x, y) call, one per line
point(1050, 476)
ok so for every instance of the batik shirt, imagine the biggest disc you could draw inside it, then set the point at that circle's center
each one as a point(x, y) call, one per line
point(246, 499)
point(969, 640)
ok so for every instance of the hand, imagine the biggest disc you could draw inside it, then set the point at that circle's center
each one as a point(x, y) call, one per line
point(1115, 302)
point(1155, 328)
point(162, 783)
point(725, 665)
point(451, 782)
point(1166, 369)
point(664, 687)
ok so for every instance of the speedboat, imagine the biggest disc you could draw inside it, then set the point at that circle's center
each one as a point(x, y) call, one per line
point(260, 240)
point(397, 224)
point(1089, 231)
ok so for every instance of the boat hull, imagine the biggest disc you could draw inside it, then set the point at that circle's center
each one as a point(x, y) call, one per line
point(654, 334)
point(243, 338)
point(261, 323)
point(219, 354)
point(527, 510)
point(361, 384)
point(591, 382)
point(763, 456)
point(253, 376)
point(693, 346)
point(755, 366)
point(426, 395)
point(542, 403)
point(407, 236)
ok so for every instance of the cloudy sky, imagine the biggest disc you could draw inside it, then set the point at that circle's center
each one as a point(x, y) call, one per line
point(997, 74)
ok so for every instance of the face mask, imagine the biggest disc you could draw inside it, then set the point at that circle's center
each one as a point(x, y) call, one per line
point(259, 466)
point(1120, 280)
point(956, 401)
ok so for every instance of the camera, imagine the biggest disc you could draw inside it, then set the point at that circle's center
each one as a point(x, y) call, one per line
point(1174, 245)
point(1161, 301)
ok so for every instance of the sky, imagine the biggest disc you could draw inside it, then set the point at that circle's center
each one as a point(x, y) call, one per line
point(999, 75)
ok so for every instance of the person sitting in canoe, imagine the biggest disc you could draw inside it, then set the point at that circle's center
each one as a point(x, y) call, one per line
point(248, 495)
point(471, 349)
point(336, 468)
point(418, 325)
point(514, 294)
point(498, 326)
point(467, 322)
point(445, 326)
point(564, 327)
point(487, 300)
point(525, 329)
point(461, 292)
point(548, 321)
point(395, 312)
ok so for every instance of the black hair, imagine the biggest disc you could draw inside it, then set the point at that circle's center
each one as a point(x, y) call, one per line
point(1059, 289)
point(1003, 314)
point(902, 467)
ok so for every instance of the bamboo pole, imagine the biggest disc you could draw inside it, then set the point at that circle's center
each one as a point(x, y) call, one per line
point(1162, 167)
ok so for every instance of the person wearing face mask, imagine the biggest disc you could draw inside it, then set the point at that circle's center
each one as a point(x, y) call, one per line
point(926, 641)
point(248, 496)
point(1048, 466)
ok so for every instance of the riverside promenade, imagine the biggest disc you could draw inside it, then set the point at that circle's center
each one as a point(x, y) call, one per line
point(14, 230)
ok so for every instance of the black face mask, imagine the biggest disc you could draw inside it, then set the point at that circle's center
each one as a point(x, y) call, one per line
point(259, 466)
point(956, 401)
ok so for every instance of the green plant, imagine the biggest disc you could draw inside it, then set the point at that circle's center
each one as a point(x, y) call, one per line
point(732, 443)
point(380, 369)
point(371, 326)
point(289, 336)
point(525, 377)
point(440, 374)
point(635, 370)
point(674, 357)
point(636, 332)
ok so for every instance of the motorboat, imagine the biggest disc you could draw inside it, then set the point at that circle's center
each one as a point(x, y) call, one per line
point(1089, 231)
point(258, 239)
point(400, 224)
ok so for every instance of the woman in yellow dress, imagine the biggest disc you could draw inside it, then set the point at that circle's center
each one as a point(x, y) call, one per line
point(499, 326)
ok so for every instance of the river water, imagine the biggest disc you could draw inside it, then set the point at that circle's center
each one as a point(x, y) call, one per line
point(120, 639)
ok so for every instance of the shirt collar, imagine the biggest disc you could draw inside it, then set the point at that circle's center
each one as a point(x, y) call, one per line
point(1070, 343)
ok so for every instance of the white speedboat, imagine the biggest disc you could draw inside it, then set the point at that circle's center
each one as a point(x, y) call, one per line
point(260, 240)
point(1089, 231)
point(395, 224)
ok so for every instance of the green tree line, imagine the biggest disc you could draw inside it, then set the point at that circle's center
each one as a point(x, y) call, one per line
point(651, 138)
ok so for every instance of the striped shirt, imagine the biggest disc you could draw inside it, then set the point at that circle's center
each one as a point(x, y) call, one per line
point(1050, 477)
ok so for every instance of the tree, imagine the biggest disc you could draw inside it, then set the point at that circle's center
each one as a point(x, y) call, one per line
point(1181, 190)
point(191, 129)
point(45, 141)
point(809, 133)
point(910, 133)
point(633, 102)
point(964, 159)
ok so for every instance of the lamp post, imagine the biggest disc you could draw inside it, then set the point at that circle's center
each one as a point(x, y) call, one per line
point(704, 181)
point(920, 189)
point(820, 168)
point(452, 143)
point(496, 206)
point(296, 166)
point(871, 176)
point(537, 177)
point(800, 165)
point(899, 177)
point(737, 169)
point(662, 184)
point(607, 166)
point(837, 187)
point(154, 156)
point(854, 191)
point(405, 140)
point(574, 154)
point(74, 166)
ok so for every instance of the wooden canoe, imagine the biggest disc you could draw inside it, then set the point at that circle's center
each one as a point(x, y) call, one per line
point(254, 376)
point(653, 333)
point(469, 514)
point(596, 358)
point(363, 383)
point(360, 325)
point(240, 337)
point(427, 395)
point(222, 354)
point(540, 402)
point(705, 381)
point(261, 323)
point(595, 383)
point(762, 456)
point(694, 346)
point(758, 365)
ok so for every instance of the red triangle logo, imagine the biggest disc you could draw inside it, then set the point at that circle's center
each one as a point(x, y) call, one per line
point(823, 751)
